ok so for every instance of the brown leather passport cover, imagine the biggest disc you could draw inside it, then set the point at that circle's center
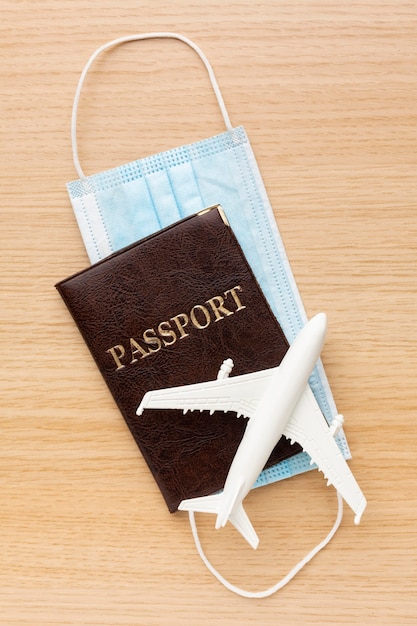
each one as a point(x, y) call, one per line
point(167, 311)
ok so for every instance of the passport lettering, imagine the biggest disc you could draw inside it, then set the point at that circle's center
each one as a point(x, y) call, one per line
point(168, 332)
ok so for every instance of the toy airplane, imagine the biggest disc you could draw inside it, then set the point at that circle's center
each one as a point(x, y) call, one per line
point(277, 401)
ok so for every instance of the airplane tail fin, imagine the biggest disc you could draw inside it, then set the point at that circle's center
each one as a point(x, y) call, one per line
point(225, 511)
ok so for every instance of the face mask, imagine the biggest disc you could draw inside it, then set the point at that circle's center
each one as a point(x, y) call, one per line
point(121, 205)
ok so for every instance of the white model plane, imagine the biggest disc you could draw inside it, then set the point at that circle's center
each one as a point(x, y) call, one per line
point(277, 401)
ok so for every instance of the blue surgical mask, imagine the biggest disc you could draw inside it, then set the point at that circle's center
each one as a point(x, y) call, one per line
point(124, 204)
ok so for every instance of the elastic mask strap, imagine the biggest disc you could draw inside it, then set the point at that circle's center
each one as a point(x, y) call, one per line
point(283, 581)
point(116, 42)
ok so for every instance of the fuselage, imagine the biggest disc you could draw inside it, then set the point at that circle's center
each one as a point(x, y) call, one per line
point(275, 408)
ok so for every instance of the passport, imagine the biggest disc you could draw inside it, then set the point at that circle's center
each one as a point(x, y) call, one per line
point(167, 311)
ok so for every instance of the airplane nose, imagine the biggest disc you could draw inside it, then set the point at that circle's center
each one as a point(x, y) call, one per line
point(320, 321)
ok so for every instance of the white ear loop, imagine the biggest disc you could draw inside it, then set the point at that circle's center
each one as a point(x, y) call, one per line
point(126, 39)
point(283, 581)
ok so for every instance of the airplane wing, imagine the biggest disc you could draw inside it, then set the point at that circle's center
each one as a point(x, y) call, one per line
point(309, 428)
point(242, 394)
point(237, 393)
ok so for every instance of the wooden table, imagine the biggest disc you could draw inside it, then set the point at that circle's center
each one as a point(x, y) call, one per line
point(327, 94)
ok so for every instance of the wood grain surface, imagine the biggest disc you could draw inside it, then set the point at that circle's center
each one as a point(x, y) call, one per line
point(327, 94)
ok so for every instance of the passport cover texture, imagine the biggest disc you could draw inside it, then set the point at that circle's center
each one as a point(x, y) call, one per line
point(167, 311)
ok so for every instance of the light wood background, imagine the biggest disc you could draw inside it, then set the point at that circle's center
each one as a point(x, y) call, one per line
point(327, 93)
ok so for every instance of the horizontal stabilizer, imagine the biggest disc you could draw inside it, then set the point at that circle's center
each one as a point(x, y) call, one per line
point(215, 504)
point(240, 520)
point(205, 504)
